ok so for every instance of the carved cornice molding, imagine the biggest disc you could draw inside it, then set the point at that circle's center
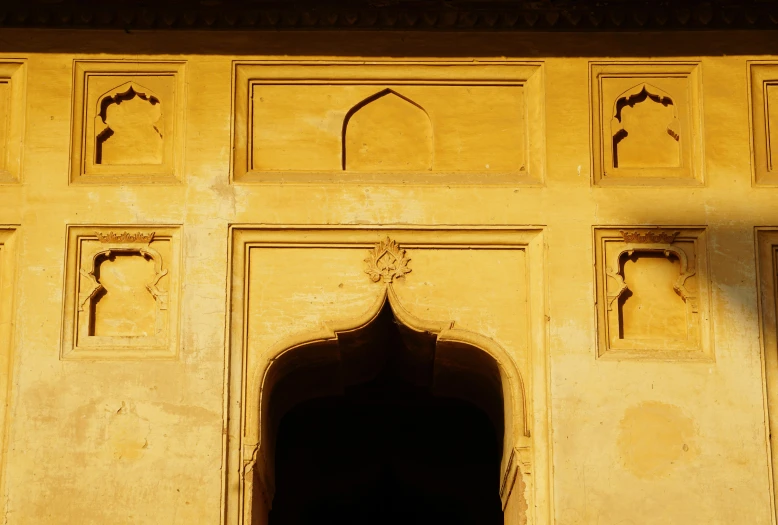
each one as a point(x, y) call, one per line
point(401, 15)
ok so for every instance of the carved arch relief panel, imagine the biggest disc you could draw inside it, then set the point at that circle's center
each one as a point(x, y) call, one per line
point(388, 122)
point(652, 293)
point(309, 297)
point(12, 104)
point(764, 121)
point(121, 296)
point(127, 122)
point(387, 132)
point(646, 123)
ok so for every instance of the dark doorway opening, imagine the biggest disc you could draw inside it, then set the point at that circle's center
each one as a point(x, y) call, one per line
point(387, 450)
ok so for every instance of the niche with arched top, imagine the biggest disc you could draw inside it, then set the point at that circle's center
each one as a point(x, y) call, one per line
point(120, 295)
point(128, 121)
point(646, 123)
point(653, 295)
point(387, 132)
point(650, 307)
point(646, 130)
point(129, 127)
point(121, 298)
point(123, 306)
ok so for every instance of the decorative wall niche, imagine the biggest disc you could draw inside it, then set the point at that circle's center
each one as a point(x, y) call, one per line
point(646, 123)
point(127, 122)
point(764, 121)
point(12, 104)
point(388, 122)
point(381, 126)
point(121, 296)
point(652, 293)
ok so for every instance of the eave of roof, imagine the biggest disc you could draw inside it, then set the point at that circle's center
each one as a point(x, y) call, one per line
point(396, 15)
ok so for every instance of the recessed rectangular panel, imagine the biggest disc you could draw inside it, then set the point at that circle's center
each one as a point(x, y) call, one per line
point(764, 122)
point(127, 122)
point(12, 111)
point(646, 125)
point(652, 293)
point(7, 313)
point(5, 109)
point(121, 292)
point(403, 128)
point(767, 257)
point(388, 122)
point(771, 116)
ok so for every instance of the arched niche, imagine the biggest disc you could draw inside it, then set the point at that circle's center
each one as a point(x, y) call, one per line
point(645, 128)
point(387, 132)
point(457, 363)
point(129, 127)
point(92, 289)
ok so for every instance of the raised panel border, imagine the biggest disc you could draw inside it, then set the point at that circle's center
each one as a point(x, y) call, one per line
point(15, 72)
point(530, 75)
point(8, 255)
point(109, 348)
point(703, 349)
point(167, 173)
point(764, 163)
point(244, 237)
point(689, 175)
point(766, 247)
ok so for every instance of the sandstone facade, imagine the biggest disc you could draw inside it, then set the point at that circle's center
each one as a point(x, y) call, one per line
point(574, 233)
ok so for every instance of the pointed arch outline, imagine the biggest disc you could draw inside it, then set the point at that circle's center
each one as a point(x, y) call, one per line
point(652, 92)
point(372, 98)
point(445, 331)
point(517, 450)
point(116, 95)
point(94, 286)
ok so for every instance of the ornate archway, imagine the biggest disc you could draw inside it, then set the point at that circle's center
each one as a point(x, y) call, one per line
point(450, 349)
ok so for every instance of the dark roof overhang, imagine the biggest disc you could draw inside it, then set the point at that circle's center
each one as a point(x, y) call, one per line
point(396, 15)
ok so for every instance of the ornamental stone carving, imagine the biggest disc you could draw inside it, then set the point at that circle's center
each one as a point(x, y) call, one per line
point(387, 262)
point(121, 298)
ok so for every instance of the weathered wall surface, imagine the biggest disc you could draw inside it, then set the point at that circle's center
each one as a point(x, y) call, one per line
point(649, 357)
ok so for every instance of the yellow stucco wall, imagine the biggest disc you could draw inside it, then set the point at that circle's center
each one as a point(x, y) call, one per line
point(631, 419)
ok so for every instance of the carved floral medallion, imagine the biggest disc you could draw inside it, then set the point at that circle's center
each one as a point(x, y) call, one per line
point(387, 262)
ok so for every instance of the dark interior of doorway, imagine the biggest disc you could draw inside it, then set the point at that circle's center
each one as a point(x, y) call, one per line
point(387, 451)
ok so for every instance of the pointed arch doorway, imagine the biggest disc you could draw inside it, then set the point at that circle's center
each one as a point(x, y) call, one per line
point(404, 436)
point(380, 411)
